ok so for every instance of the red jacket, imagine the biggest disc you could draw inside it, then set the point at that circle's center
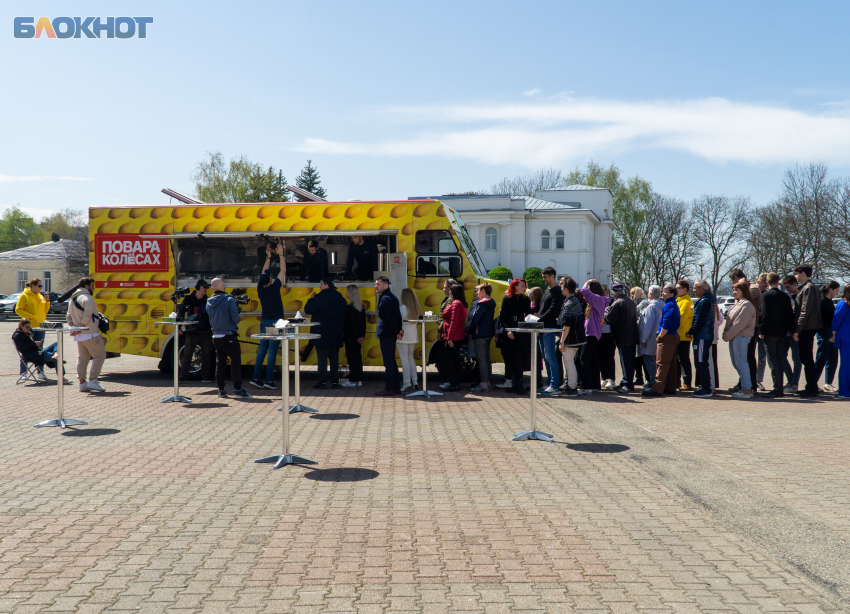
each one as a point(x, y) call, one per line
point(454, 318)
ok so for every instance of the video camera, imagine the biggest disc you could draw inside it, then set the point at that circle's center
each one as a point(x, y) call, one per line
point(240, 297)
point(180, 293)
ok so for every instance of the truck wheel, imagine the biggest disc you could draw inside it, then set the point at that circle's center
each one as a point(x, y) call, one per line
point(166, 363)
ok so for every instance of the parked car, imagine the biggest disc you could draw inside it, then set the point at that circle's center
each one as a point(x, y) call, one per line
point(55, 305)
point(727, 304)
point(7, 305)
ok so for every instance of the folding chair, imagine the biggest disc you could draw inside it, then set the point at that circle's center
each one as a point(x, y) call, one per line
point(30, 373)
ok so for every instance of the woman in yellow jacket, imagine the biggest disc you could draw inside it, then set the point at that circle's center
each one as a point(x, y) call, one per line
point(33, 306)
point(686, 319)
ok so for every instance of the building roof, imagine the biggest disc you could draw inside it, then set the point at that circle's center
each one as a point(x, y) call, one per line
point(572, 188)
point(52, 250)
point(536, 204)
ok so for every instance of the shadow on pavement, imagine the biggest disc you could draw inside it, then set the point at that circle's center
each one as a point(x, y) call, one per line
point(341, 474)
point(334, 416)
point(598, 448)
point(89, 432)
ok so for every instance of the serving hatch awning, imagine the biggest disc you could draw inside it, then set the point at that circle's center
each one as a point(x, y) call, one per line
point(288, 234)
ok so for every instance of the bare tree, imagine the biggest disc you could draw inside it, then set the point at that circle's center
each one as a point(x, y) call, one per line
point(840, 235)
point(674, 246)
point(721, 224)
point(526, 185)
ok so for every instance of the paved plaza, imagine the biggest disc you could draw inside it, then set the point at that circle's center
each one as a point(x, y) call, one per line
point(663, 505)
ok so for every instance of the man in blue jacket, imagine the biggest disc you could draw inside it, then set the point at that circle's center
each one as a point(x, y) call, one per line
point(702, 333)
point(224, 321)
point(328, 309)
point(666, 357)
point(388, 332)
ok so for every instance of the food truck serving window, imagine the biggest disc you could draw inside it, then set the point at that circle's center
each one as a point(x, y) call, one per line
point(435, 251)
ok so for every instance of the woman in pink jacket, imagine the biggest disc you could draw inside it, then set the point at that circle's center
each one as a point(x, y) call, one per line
point(740, 328)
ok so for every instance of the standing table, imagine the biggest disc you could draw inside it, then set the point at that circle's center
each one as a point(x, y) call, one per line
point(61, 421)
point(175, 397)
point(286, 458)
point(425, 392)
point(294, 409)
point(533, 433)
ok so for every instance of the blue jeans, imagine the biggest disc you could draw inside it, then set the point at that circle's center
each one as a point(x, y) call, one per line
point(650, 362)
point(266, 346)
point(738, 353)
point(390, 366)
point(824, 351)
point(550, 359)
point(792, 376)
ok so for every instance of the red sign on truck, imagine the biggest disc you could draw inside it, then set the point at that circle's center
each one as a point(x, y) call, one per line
point(128, 253)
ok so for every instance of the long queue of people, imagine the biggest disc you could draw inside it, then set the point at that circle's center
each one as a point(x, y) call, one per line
point(655, 334)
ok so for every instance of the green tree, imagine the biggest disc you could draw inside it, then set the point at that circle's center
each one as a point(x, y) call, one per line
point(17, 229)
point(632, 243)
point(237, 181)
point(309, 180)
point(534, 278)
point(267, 187)
point(67, 223)
point(501, 273)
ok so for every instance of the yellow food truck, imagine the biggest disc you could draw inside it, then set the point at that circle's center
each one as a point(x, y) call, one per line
point(139, 257)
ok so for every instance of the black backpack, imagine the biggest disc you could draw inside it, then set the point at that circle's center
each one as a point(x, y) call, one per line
point(102, 321)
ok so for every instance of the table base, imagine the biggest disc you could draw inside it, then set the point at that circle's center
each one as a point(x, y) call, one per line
point(61, 422)
point(425, 393)
point(524, 435)
point(176, 399)
point(280, 460)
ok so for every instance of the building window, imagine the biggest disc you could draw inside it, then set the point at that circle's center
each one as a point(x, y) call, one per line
point(46, 281)
point(22, 280)
point(559, 239)
point(544, 240)
point(490, 239)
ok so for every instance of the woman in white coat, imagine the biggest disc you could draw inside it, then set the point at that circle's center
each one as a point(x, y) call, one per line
point(410, 310)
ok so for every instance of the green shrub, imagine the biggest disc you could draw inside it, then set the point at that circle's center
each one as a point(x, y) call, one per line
point(501, 273)
point(534, 278)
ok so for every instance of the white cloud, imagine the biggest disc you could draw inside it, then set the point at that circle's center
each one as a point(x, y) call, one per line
point(532, 92)
point(13, 178)
point(569, 130)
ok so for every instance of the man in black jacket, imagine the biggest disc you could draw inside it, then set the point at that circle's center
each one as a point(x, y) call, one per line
point(622, 317)
point(194, 306)
point(809, 322)
point(389, 331)
point(327, 308)
point(776, 321)
point(550, 309)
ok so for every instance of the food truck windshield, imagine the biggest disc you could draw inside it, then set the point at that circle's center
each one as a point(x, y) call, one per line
point(238, 258)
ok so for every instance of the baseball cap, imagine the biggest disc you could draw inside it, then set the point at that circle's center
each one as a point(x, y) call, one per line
point(617, 287)
point(201, 282)
point(265, 278)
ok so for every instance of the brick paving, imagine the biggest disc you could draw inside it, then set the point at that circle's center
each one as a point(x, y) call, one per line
point(671, 505)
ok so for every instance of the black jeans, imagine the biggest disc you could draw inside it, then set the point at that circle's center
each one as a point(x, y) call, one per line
point(777, 354)
point(685, 370)
point(702, 354)
point(627, 365)
point(807, 357)
point(228, 347)
point(451, 362)
point(390, 366)
point(324, 354)
point(588, 365)
point(354, 356)
point(515, 352)
point(204, 340)
point(605, 351)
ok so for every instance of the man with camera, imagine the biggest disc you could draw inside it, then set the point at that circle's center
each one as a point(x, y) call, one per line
point(194, 308)
point(224, 321)
point(82, 311)
point(268, 291)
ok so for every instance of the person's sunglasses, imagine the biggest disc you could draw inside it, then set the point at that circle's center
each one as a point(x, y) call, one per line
point(39, 286)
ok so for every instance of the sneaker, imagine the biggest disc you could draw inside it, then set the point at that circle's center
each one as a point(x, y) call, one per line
point(685, 388)
point(703, 394)
point(608, 384)
point(551, 391)
point(83, 387)
point(93, 385)
point(222, 393)
point(359, 383)
point(760, 387)
point(320, 386)
point(270, 385)
point(736, 388)
point(651, 393)
point(773, 394)
point(624, 390)
point(256, 383)
point(40, 375)
point(543, 389)
point(506, 384)
point(445, 386)
point(829, 388)
point(790, 388)
point(569, 392)
point(343, 381)
point(585, 392)
point(480, 388)
point(242, 394)
point(743, 394)
point(349, 384)
point(452, 388)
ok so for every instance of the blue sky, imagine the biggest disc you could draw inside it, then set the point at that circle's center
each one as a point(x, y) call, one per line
point(391, 99)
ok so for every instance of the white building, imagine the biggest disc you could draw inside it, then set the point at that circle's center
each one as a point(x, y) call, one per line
point(569, 229)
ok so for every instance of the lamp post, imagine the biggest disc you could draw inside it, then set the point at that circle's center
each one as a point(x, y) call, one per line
point(701, 266)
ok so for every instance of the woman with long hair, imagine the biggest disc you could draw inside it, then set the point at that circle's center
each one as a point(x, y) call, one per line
point(410, 310)
point(31, 352)
point(841, 338)
point(607, 350)
point(515, 347)
point(454, 319)
point(740, 328)
point(354, 334)
point(594, 312)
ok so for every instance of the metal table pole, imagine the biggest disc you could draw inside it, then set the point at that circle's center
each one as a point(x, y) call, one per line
point(533, 433)
point(61, 421)
point(424, 392)
point(175, 397)
point(294, 409)
point(286, 458)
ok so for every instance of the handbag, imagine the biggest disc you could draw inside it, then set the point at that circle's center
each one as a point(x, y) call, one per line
point(102, 321)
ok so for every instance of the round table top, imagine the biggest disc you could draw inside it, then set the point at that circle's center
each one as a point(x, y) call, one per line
point(304, 324)
point(180, 323)
point(534, 330)
point(417, 321)
point(286, 337)
point(62, 329)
